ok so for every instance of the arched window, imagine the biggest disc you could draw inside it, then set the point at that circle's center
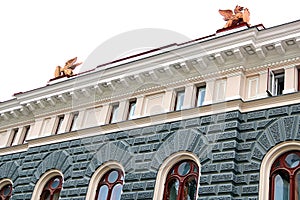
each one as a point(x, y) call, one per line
point(110, 186)
point(182, 181)
point(285, 177)
point(6, 191)
point(52, 189)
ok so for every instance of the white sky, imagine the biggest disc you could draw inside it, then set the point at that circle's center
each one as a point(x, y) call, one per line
point(36, 36)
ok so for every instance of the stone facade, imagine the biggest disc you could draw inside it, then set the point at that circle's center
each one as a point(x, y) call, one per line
point(230, 147)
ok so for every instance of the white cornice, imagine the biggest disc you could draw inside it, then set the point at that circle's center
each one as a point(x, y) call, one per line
point(211, 58)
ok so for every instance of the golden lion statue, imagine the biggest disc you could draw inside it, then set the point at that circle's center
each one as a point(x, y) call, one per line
point(240, 15)
point(67, 70)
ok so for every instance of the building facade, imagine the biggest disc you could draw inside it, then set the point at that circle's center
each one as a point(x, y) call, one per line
point(213, 118)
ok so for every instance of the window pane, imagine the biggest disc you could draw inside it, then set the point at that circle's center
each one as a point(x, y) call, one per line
point(173, 189)
point(55, 196)
point(190, 189)
point(74, 122)
point(292, 160)
point(45, 195)
point(184, 168)
point(6, 190)
point(201, 96)
point(103, 192)
point(132, 106)
point(179, 100)
point(282, 188)
point(113, 176)
point(116, 192)
point(59, 125)
point(55, 183)
point(114, 114)
point(15, 132)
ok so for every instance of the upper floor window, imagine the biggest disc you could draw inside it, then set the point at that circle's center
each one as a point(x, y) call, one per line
point(25, 133)
point(59, 122)
point(200, 95)
point(74, 121)
point(285, 177)
point(220, 90)
point(182, 181)
point(131, 109)
point(275, 83)
point(114, 113)
point(6, 192)
point(179, 100)
point(52, 189)
point(110, 186)
point(13, 137)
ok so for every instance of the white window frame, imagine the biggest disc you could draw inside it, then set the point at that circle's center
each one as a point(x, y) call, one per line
point(98, 174)
point(272, 85)
point(179, 101)
point(267, 162)
point(166, 167)
point(200, 88)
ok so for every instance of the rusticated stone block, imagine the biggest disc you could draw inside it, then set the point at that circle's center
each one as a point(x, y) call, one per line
point(264, 123)
point(250, 126)
point(227, 135)
point(231, 125)
point(278, 111)
point(289, 127)
point(148, 130)
point(132, 177)
point(129, 196)
point(264, 141)
point(162, 128)
point(210, 168)
point(229, 145)
point(192, 122)
point(295, 109)
point(248, 136)
point(208, 189)
point(227, 177)
point(225, 188)
point(215, 128)
point(250, 189)
point(257, 115)
point(224, 156)
point(205, 179)
point(208, 120)
point(247, 146)
point(177, 125)
point(242, 157)
point(251, 167)
point(229, 166)
point(139, 186)
point(145, 195)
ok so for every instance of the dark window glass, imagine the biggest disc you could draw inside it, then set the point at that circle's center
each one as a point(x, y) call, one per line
point(26, 131)
point(132, 106)
point(200, 96)
point(73, 126)
point(285, 177)
point(181, 183)
point(6, 192)
point(111, 185)
point(59, 124)
point(14, 132)
point(52, 189)
point(114, 114)
point(179, 100)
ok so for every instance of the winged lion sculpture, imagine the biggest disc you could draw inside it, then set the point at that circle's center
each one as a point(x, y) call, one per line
point(67, 70)
point(235, 17)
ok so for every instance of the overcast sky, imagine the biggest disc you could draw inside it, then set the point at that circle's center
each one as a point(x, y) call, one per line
point(36, 36)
